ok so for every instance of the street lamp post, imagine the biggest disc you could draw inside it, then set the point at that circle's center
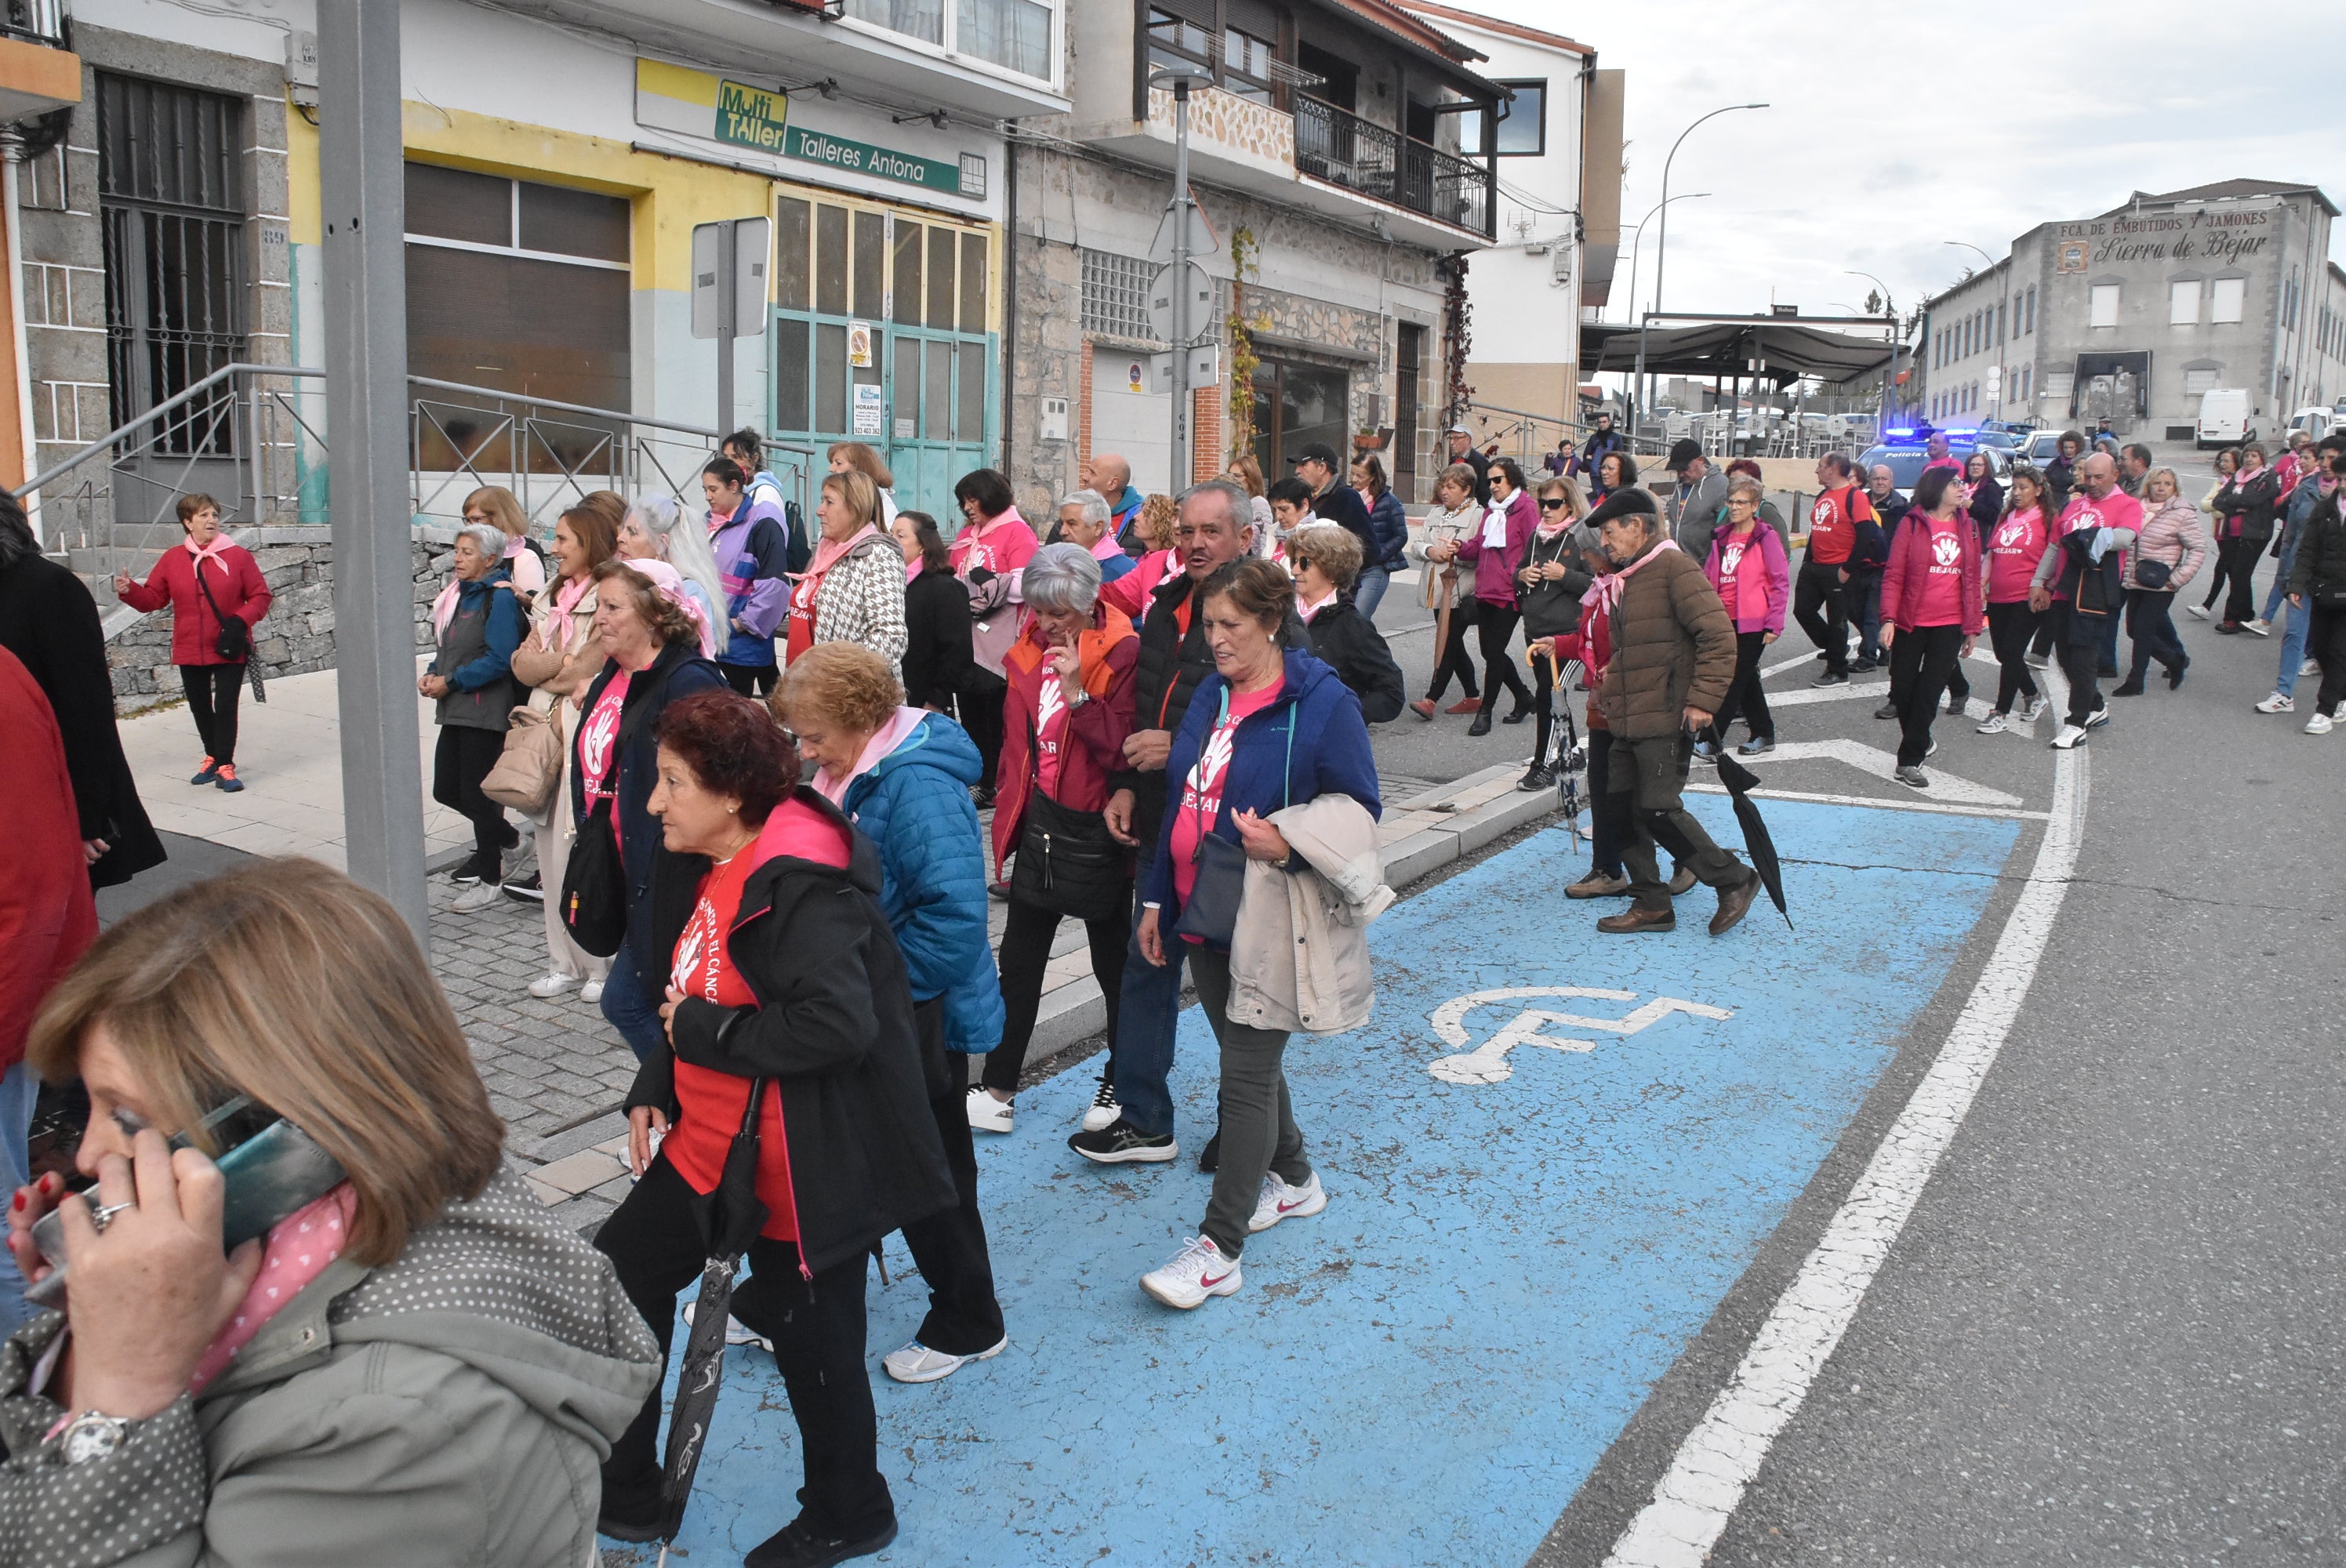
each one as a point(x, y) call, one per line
point(1635, 245)
point(1890, 367)
point(1662, 242)
point(1998, 399)
point(1180, 81)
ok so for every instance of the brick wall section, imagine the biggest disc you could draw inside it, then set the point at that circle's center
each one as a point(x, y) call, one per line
point(297, 635)
point(1083, 409)
point(1207, 457)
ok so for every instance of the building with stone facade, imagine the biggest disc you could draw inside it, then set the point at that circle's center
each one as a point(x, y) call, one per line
point(2131, 314)
point(1326, 158)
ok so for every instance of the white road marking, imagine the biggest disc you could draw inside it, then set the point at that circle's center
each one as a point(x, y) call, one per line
point(1721, 1457)
point(1945, 809)
point(1884, 765)
point(1488, 1062)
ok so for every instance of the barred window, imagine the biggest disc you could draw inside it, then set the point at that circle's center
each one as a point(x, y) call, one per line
point(1115, 295)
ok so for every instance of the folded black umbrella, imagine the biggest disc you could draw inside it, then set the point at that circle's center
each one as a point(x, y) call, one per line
point(1740, 782)
point(731, 1218)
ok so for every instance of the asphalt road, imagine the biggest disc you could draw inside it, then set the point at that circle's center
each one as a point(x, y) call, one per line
point(2109, 1331)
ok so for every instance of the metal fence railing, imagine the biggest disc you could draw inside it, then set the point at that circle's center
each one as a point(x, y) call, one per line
point(1340, 147)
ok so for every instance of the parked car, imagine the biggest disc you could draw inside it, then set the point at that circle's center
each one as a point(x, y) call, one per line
point(2043, 447)
point(2315, 420)
point(2225, 415)
point(1905, 454)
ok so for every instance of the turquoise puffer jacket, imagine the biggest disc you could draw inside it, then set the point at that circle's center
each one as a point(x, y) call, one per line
point(915, 805)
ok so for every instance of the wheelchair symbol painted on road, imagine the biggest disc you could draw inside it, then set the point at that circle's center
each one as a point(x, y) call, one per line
point(1487, 1063)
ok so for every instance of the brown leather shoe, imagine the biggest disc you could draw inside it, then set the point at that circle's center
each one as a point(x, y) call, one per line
point(1681, 883)
point(1465, 705)
point(1424, 709)
point(1597, 885)
point(1638, 918)
point(1734, 903)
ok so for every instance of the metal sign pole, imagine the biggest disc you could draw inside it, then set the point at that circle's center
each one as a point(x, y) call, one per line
point(359, 160)
point(1182, 464)
point(725, 324)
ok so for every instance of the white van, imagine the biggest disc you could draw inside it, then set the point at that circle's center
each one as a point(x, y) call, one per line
point(2224, 417)
point(2314, 420)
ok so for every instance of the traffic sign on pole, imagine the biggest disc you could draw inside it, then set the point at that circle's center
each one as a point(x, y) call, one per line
point(1162, 318)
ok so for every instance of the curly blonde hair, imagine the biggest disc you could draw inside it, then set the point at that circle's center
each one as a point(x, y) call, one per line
point(665, 619)
point(1155, 524)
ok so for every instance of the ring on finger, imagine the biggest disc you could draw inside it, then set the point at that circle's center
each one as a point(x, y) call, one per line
point(102, 1215)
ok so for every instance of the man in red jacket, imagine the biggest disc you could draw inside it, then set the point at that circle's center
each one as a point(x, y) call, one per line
point(46, 917)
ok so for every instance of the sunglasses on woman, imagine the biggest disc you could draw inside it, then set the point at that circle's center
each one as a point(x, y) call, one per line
point(1551, 502)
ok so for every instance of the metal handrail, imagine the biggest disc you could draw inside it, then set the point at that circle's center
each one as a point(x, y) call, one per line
point(165, 406)
point(1338, 146)
point(561, 407)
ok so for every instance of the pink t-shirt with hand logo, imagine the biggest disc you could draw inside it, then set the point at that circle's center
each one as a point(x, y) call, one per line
point(1942, 601)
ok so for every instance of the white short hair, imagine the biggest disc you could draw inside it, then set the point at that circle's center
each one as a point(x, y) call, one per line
point(1095, 504)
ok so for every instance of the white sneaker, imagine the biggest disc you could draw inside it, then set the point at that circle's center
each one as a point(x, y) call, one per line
point(550, 986)
point(591, 992)
point(2098, 717)
point(2198, 610)
point(1992, 724)
point(1104, 1109)
point(736, 1332)
point(916, 1363)
point(477, 897)
point(2319, 724)
point(987, 1114)
point(2276, 703)
point(2032, 709)
point(2311, 666)
point(2259, 627)
point(1933, 749)
point(2071, 737)
point(1198, 1270)
point(2035, 660)
point(1281, 1201)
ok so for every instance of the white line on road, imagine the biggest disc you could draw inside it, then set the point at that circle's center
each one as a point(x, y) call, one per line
point(1721, 1457)
point(1941, 808)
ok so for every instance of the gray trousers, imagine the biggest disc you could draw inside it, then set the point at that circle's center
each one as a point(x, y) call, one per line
point(1258, 1131)
point(1652, 773)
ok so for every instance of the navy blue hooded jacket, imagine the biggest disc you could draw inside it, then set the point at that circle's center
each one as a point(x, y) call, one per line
point(915, 806)
point(1310, 742)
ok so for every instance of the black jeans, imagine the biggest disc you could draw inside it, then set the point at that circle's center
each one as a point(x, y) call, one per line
point(1746, 699)
point(1455, 660)
point(2150, 622)
point(1648, 777)
point(1921, 660)
point(1609, 826)
point(212, 691)
point(1901, 679)
point(1026, 951)
point(2081, 660)
point(2009, 628)
point(1819, 588)
point(981, 715)
point(949, 1247)
point(817, 1326)
point(461, 761)
point(2325, 641)
point(1496, 626)
point(2237, 559)
point(750, 679)
point(1542, 706)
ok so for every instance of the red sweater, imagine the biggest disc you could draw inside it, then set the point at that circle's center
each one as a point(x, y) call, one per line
point(236, 583)
point(1094, 748)
point(47, 917)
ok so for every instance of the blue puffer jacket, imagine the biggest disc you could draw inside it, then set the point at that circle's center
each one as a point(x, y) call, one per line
point(1313, 735)
point(1389, 522)
point(915, 805)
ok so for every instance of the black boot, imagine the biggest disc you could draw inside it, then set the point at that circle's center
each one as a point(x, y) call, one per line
point(1482, 725)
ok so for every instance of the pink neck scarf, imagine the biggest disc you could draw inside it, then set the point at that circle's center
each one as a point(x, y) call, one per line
point(885, 739)
point(669, 583)
point(298, 1248)
point(214, 552)
point(1605, 591)
point(828, 552)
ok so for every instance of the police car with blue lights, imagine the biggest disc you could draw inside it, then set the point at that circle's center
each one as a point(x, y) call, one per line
point(1905, 451)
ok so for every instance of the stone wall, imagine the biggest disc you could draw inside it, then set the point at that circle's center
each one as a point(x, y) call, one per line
point(297, 635)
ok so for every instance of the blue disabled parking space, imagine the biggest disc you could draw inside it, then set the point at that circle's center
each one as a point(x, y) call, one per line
point(1548, 1157)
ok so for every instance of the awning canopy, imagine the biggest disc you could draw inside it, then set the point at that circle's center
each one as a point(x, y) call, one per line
point(1788, 350)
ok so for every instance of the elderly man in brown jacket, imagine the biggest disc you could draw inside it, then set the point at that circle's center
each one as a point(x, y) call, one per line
point(1673, 657)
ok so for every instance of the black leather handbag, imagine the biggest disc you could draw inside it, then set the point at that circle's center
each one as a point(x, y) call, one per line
point(235, 640)
point(1067, 863)
point(595, 886)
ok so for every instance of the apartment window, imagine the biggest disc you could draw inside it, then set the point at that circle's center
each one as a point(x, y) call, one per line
point(921, 19)
point(1175, 41)
point(1246, 65)
point(1522, 121)
point(2060, 384)
point(2027, 373)
point(2183, 303)
point(518, 286)
point(1115, 295)
point(2288, 302)
point(1999, 321)
point(172, 217)
point(2228, 299)
point(1013, 33)
point(2102, 306)
point(2199, 381)
point(2032, 306)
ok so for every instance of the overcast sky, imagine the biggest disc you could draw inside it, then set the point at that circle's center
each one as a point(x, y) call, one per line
point(1897, 126)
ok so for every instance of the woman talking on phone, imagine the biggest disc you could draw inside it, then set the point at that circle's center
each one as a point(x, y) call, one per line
point(412, 1362)
point(1072, 675)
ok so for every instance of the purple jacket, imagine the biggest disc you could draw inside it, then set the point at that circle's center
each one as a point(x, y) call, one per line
point(752, 555)
point(1762, 578)
point(1494, 579)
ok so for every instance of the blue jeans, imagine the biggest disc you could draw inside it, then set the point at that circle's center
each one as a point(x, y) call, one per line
point(18, 1089)
point(1148, 1013)
point(1370, 591)
point(2279, 589)
point(2292, 644)
point(629, 1008)
point(1869, 625)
